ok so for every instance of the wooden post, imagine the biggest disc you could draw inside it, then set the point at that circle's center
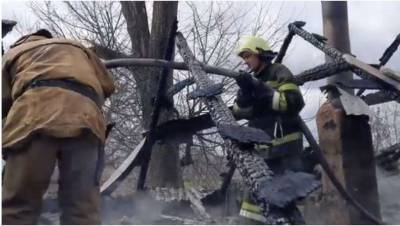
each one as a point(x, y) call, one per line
point(329, 120)
point(345, 139)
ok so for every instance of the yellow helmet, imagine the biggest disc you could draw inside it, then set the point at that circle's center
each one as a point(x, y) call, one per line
point(252, 44)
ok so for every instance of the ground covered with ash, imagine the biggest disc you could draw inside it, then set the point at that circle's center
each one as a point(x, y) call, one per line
point(142, 209)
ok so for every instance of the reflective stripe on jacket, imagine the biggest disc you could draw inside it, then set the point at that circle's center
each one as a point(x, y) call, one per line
point(252, 215)
point(251, 210)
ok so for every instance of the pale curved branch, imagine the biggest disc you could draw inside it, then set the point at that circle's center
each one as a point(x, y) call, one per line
point(163, 63)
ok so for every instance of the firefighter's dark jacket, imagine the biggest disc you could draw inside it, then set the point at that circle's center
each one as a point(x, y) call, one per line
point(55, 111)
point(276, 116)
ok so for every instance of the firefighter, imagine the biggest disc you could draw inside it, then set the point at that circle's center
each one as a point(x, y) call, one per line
point(269, 104)
point(52, 93)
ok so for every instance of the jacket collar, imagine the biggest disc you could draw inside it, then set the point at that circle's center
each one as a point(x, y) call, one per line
point(264, 68)
point(26, 39)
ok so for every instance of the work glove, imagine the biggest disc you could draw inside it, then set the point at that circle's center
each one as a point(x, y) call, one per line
point(263, 98)
point(263, 92)
point(243, 99)
point(245, 81)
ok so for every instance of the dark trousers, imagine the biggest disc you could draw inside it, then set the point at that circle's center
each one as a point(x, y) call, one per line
point(28, 172)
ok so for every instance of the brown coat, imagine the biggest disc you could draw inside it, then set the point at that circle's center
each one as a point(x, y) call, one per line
point(55, 111)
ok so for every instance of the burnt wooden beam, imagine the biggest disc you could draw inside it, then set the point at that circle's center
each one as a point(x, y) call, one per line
point(389, 51)
point(375, 98)
point(321, 71)
point(286, 43)
point(182, 130)
point(390, 86)
point(358, 84)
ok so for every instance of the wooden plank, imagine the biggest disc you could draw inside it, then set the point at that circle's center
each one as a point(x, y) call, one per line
point(121, 172)
point(371, 71)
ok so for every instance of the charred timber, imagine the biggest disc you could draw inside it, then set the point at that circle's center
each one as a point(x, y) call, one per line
point(330, 51)
point(286, 43)
point(389, 51)
point(390, 88)
point(321, 71)
point(376, 98)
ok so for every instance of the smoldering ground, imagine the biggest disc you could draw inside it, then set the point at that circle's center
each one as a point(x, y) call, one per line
point(140, 208)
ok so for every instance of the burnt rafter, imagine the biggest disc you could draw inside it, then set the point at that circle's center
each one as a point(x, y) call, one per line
point(321, 71)
point(375, 98)
point(389, 51)
point(286, 43)
point(390, 87)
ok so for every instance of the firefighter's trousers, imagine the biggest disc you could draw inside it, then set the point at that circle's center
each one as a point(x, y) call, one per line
point(250, 212)
point(28, 171)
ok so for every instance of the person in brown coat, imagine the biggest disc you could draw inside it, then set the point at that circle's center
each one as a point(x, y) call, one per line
point(52, 93)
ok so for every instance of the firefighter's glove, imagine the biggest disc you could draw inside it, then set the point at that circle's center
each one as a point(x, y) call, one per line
point(246, 146)
point(243, 99)
point(245, 81)
point(263, 93)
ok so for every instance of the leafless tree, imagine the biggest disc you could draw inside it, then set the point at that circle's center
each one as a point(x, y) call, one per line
point(212, 28)
point(385, 125)
point(116, 30)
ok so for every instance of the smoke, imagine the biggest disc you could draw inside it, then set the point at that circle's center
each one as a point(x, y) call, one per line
point(138, 209)
point(388, 188)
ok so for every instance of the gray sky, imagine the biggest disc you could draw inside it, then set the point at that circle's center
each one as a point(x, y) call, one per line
point(372, 25)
